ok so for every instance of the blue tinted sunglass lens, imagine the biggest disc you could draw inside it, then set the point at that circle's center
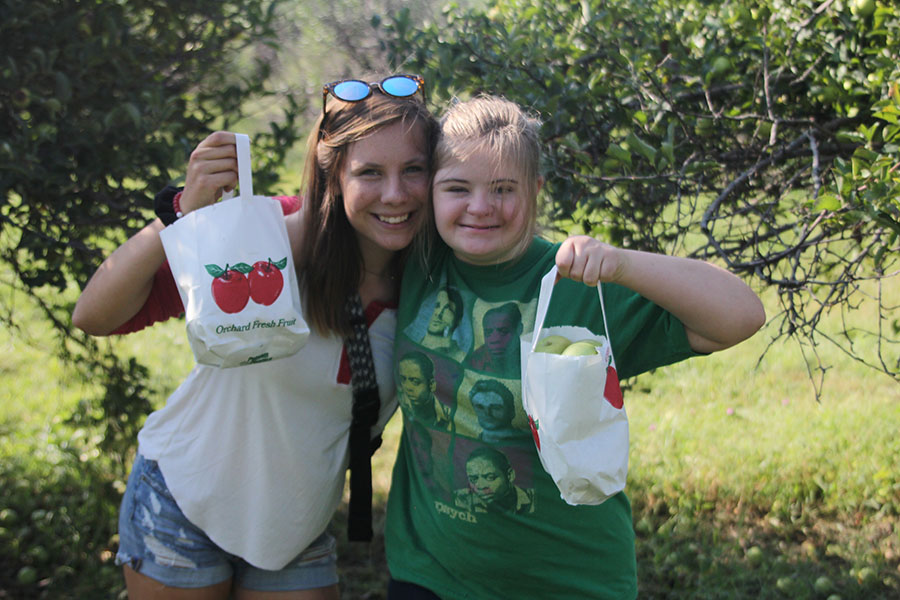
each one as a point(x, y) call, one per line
point(351, 91)
point(400, 86)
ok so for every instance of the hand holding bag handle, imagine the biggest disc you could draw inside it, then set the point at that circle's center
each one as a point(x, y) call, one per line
point(233, 265)
point(544, 304)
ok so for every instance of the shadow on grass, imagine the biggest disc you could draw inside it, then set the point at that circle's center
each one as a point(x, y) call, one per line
point(362, 567)
point(57, 529)
point(733, 551)
point(58, 521)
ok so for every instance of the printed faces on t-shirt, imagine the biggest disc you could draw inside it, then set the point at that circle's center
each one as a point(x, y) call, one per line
point(458, 378)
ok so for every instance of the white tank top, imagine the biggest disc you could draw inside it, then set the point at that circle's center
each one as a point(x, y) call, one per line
point(255, 456)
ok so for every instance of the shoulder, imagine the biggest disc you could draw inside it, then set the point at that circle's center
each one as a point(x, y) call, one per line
point(293, 220)
point(537, 259)
point(541, 249)
point(289, 204)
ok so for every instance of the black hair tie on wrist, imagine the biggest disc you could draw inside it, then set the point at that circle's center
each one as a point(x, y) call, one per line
point(163, 204)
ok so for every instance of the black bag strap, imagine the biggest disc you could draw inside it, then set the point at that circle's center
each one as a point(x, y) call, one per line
point(366, 407)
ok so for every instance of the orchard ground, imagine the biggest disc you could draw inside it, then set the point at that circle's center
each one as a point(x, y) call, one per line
point(742, 484)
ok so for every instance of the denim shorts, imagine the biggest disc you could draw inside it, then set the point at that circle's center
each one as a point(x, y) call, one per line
point(157, 540)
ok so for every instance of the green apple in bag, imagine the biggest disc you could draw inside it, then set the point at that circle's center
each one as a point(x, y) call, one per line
point(552, 344)
point(583, 348)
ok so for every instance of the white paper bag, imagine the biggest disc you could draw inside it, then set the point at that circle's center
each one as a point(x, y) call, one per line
point(574, 406)
point(235, 274)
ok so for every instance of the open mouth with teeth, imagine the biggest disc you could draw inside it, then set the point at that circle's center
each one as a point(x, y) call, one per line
point(393, 220)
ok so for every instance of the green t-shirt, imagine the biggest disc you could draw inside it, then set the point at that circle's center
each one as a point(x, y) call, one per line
point(471, 512)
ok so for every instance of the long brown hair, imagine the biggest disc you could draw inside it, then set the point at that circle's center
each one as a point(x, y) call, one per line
point(330, 265)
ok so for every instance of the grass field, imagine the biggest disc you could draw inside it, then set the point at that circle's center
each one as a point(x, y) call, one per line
point(743, 485)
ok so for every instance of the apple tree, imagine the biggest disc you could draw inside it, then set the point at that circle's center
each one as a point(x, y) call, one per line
point(761, 134)
point(100, 105)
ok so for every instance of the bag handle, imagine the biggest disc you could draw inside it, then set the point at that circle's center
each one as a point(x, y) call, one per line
point(548, 282)
point(245, 168)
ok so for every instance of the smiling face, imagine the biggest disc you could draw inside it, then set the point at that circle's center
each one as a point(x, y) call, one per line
point(481, 208)
point(384, 183)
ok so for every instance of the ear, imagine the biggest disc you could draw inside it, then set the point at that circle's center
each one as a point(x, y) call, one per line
point(540, 184)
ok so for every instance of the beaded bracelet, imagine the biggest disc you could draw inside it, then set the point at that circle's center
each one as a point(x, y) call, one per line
point(167, 204)
point(176, 205)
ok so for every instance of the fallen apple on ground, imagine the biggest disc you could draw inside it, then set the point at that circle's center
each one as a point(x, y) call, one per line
point(552, 344)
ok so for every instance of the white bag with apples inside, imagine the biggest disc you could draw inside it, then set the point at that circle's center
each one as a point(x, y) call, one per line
point(575, 409)
point(235, 274)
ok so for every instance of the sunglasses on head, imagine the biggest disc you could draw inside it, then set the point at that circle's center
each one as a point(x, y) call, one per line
point(354, 90)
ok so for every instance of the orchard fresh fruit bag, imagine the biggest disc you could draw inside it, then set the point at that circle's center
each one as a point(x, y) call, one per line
point(571, 394)
point(235, 273)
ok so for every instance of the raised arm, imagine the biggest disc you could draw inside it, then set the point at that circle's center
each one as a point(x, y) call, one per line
point(119, 288)
point(717, 308)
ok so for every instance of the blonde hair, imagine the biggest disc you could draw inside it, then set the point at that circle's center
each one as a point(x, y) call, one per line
point(501, 128)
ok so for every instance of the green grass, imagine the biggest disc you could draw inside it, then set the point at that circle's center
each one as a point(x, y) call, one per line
point(743, 485)
point(731, 453)
point(755, 428)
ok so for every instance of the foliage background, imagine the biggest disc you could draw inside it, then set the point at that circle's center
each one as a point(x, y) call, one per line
point(770, 129)
point(762, 135)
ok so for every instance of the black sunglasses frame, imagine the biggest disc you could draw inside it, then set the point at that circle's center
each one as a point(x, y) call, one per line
point(328, 88)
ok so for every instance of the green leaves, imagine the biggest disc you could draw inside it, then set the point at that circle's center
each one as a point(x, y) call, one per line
point(771, 129)
point(217, 271)
point(100, 104)
point(93, 132)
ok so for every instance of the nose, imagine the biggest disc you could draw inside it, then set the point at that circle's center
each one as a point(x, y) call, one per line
point(480, 204)
point(394, 191)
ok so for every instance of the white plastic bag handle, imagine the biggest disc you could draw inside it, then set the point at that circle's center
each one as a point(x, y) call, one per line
point(245, 168)
point(547, 284)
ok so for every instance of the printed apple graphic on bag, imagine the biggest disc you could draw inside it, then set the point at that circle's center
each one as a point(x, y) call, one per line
point(266, 280)
point(230, 287)
point(613, 391)
point(534, 432)
point(234, 285)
